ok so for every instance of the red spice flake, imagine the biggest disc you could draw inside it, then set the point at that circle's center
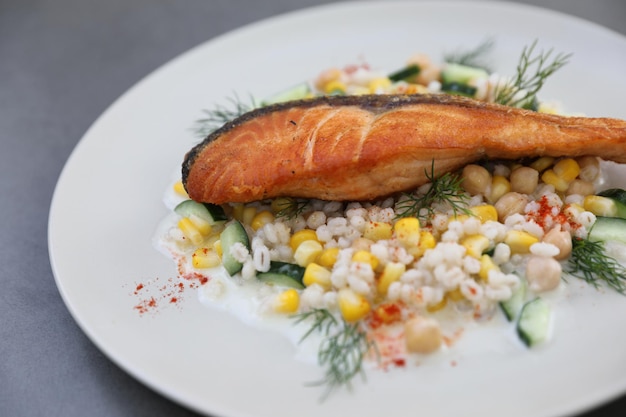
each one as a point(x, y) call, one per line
point(173, 300)
point(399, 362)
point(385, 314)
point(453, 363)
point(548, 216)
point(138, 288)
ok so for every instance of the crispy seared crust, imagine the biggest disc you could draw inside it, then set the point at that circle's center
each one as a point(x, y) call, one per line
point(364, 147)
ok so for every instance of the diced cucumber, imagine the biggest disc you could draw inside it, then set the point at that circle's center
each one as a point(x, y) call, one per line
point(461, 74)
point(283, 274)
point(608, 228)
point(233, 233)
point(212, 213)
point(534, 322)
point(405, 73)
point(459, 89)
point(513, 305)
point(619, 197)
point(297, 92)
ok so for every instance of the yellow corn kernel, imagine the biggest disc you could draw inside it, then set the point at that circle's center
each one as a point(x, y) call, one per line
point(334, 87)
point(567, 169)
point(287, 301)
point(407, 231)
point(455, 295)
point(458, 218)
point(475, 245)
point(365, 257)
point(392, 273)
point(377, 231)
point(499, 186)
point(485, 213)
point(202, 225)
point(302, 236)
point(328, 257)
point(248, 214)
point(238, 211)
point(438, 306)
point(205, 258)
point(543, 163)
point(519, 241)
point(550, 177)
point(190, 231)
point(261, 219)
point(307, 252)
point(427, 241)
point(217, 246)
point(486, 265)
point(378, 84)
point(600, 206)
point(317, 274)
point(353, 306)
point(179, 189)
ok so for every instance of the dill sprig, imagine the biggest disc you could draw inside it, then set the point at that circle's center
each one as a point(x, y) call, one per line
point(590, 262)
point(290, 208)
point(473, 57)
point(220, 115)
point(445, 189)
point(323, 321)
point(522, 90)
point(342, 350)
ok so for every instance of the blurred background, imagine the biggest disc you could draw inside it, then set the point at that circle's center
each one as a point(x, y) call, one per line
point(62, 63)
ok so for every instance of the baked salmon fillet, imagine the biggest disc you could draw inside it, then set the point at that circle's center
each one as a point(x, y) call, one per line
point(363, 147)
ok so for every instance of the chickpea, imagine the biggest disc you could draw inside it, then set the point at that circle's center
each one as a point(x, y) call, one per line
point(543, 273)
point(524, 180)
point(476, 179)
point(580, 187)
point(589, 168)
point(510, 203)
point(422, 335)
point(562, 239)
point(362, 243)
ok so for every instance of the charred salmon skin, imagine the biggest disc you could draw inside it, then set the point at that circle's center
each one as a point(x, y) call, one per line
point(363, 147)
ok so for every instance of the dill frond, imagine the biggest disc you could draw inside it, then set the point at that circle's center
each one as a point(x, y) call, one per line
point(445, 189)
point(474, 57)
point(220, 115)
point(342, 350)
point(522, 90)
point(590, 262)
point(290, 208)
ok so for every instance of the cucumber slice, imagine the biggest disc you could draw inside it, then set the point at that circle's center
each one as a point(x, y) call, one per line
point(608, 228)
point(534, 322)
point(513, 305)
point(459, 89)
point(619, 197)
point(461, 74)
point(297, 92)
point(233, 233)
point(212, 213)
point(283, 274)
point(405, 73)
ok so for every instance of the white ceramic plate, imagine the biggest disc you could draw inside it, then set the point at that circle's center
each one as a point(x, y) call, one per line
point(108, 202)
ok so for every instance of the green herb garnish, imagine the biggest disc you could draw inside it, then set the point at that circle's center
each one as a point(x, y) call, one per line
point(220, 115)
point(342, 350)
point(290, 208)
point(522, 90)
point(590, 262)
point(445, 189)
point(473, 57)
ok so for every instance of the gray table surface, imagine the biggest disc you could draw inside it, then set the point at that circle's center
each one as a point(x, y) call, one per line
point(62, 62)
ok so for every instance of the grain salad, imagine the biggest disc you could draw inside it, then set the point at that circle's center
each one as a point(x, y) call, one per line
point(388, 280)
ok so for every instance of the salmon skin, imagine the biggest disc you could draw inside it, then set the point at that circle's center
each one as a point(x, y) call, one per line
point(360, 148)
